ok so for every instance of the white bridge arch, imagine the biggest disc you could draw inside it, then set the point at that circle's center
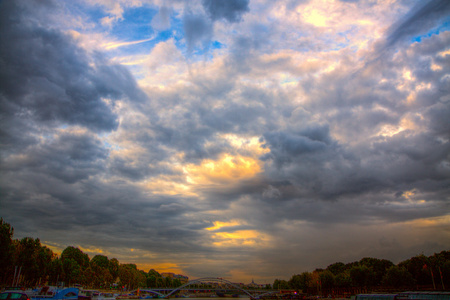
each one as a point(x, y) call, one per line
point(204, 280)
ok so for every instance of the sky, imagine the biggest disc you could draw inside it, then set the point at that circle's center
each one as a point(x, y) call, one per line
point(241, 139)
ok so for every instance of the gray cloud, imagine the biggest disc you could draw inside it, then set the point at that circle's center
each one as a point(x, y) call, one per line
point(198, 31)
point(161, 21)
point(68, 157)
point(230, 10)
point(419, 20)
point(48, 79)
point(77, 168)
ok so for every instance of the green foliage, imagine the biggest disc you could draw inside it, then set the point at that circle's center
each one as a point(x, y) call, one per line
point(294, 282)
point(114, 268)
point(33, 259)
point(176, 282)
point(154, 273)
point(361, 276)
point(77, 255)
point(72, 271)
point(301, 281)
point(131, 277)
point(280, 284)
point(337, 268)
point(343, 280)
point(6, 250)
point(444, 274)
point(398, 277)
point(168, 282)
point(420, 268)
point(38, 264)
point(100, 261)
point(56, 271)
point(378, 267)
point(326, 279)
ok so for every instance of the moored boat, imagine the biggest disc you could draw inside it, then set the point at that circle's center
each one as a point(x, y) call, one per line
point(95, 295)
point(53, 293)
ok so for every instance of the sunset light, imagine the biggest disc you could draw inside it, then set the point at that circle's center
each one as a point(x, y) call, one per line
point(247, 140)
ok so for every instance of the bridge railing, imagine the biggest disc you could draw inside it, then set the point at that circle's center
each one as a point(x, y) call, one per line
point(205, 280)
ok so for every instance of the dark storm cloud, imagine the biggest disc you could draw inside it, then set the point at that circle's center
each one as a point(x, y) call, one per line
point(47, 78)
point(103, 214)
point(419, 20)
point(68, 157)
point(230, 10)
point(302, 168)
point(55, 97)
point(298, 143)
point(328, 176)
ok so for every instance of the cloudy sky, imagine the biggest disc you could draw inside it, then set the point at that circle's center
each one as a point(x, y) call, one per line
point(239, 139)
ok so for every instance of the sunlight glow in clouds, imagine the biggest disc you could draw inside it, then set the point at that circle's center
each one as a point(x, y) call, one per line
point(255, 141)
point(240, 238)
point(232, 238)
point(226, 169)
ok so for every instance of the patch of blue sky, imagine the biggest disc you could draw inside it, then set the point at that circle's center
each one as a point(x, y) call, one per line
point(177, 29)
point(435, 31)
point(145, 46)
point(135, 24)
point(92, 14)
point(217, 45)
point(204, 52)
point(106, 144)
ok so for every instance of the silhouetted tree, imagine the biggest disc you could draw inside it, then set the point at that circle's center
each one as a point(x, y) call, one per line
point(361, 276)
point(326, 279)
point(76, 254)
point(6, 252)
point(114, 268)
point(343, 279)
point(398, 277)
point(420, 268)
point(336, 268)
point(378, 267)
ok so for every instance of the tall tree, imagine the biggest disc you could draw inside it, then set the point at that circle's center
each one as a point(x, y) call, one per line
point(361, 276)
point(305, 279)
point(72, 271)
point(32, 259)
point(56, 271)
point(101, 261)
point(280, 284)
point(114, 268)
point(76, 254)
point(398, 277)
point(336, 268)
point(295, 282)
point(151, 281)
point(326, 279)
point(420, 268)
point(6, 251)
point(378, 267)
point(343, 279)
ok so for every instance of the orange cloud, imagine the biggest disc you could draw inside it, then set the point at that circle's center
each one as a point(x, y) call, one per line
point(218, 224)
point(161, 267)
point(226, 169)
point(239, 238)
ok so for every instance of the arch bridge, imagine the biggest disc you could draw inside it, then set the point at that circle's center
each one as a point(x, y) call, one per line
point(218, 284)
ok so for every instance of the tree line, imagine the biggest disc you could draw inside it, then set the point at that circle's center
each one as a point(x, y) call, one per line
point(26, 262)
point(418, 272)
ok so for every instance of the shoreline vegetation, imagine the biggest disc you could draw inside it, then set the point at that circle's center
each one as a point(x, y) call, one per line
point(26, 262)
